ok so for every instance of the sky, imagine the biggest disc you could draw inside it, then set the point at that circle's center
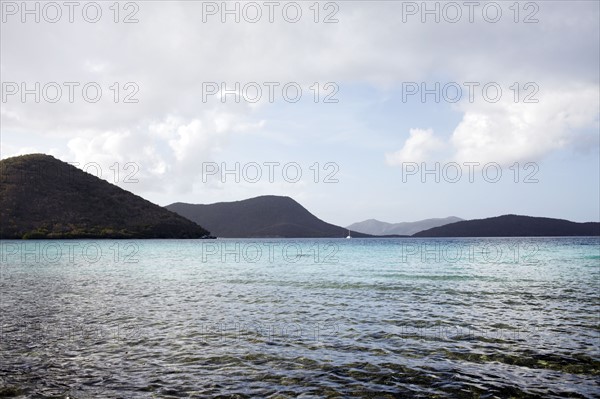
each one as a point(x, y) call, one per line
point(392, 110)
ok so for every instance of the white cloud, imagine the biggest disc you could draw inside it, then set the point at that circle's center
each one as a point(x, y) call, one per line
point(168, 152)
point(171, 52)
point(170, 64)
point(507, 132)
point(417, 148)
point(95, 67)
point(7, 114)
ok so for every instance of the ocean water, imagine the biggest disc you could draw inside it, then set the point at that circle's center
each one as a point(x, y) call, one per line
point(415, 318)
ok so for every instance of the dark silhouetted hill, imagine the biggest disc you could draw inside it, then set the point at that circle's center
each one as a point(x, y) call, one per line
point(266, 216)
point(42, 197)
point(513, 226)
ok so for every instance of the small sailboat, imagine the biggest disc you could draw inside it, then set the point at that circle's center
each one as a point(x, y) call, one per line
point(349, 236)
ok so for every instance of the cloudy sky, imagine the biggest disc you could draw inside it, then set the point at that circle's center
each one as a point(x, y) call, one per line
point(356, 109)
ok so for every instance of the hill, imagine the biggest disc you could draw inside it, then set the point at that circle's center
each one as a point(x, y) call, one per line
point(266, 216)
point(513, 226)
point(376, 227)
point(42, 197)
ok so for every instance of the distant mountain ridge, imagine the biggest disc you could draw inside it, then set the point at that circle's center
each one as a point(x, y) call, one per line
point(376, 227)
point(513, 226)
point(265, 216)
point(43, 197)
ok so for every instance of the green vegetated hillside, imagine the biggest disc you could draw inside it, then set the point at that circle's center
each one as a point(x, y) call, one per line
point(513, 226)
point(265, 216)
point(43, 197)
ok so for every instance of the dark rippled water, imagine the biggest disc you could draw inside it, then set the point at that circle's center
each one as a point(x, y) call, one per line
point(301, 318)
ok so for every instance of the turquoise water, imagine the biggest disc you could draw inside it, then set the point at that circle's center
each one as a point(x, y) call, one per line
point(459, 318)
